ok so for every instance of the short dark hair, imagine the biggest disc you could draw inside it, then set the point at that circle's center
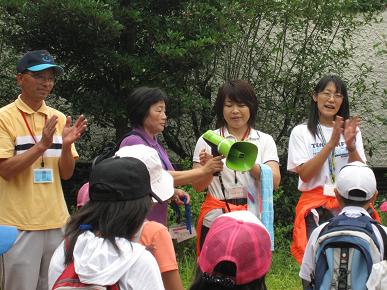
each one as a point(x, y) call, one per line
point(111, 219)
point(350, 202)
point(239, 91)
point(139, 102)
point(341, 88)
point(228, 269)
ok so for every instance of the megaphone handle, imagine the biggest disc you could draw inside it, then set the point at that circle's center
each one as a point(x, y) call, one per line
point(223, 191)
point(214, 148)
point(214, 153)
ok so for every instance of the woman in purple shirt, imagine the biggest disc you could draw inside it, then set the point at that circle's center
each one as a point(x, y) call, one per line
point(147, 107)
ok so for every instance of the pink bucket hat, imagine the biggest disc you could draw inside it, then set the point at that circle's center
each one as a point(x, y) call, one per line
point(237, 237)
point(83, 195)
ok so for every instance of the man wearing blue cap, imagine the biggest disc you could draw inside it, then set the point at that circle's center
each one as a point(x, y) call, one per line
point(36, 151)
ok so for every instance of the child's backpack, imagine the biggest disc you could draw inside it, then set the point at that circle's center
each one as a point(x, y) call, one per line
point(346, 250)
point(69, 280)
point(111, 148)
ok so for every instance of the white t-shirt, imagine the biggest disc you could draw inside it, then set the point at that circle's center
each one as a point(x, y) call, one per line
point(303, 147)
point(308, 262)
point(267, 151)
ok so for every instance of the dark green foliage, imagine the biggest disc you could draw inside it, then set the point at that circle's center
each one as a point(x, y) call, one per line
point(188, 48)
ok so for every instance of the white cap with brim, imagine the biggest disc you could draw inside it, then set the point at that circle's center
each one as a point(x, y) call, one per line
point(356, 181)
point(8, 235)
point(161, 180)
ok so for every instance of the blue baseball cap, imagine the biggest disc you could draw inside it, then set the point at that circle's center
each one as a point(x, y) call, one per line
point(8, 235)
point(38, 60)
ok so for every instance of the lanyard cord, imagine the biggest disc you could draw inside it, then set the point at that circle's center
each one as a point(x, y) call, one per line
point(331, 158)
point(32, 135)
point(163, 161)
point(224, 195)
point(157, 150)
point(245, 135)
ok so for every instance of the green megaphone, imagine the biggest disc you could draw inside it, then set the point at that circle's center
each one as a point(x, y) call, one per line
point(240, 156)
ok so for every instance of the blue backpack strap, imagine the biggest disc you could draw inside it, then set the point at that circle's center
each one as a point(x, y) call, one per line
point(342, 283)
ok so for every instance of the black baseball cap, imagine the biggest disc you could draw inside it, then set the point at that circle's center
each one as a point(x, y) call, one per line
point(120, 179)
point(38, 60)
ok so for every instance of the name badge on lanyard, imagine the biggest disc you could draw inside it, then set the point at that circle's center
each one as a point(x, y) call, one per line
point(329, 190)
point(234, 192)
point(330, 185)
point(43, 175)
point(40, 175)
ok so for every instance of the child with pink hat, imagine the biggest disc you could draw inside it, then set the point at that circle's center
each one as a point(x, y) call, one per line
point(236, 254)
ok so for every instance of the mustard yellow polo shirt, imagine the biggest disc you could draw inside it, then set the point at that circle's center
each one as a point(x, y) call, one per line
point(23, 203)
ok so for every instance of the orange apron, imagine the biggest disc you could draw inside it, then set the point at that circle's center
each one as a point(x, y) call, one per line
point(211, 203)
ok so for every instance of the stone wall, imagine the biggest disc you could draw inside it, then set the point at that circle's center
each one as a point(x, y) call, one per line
point(374, 132)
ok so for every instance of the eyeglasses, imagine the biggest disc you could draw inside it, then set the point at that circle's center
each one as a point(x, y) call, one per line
point(327, 95)
point(41, 78)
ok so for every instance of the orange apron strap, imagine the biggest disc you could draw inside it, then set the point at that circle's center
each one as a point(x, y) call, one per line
point(375, 215)
point(211, 203)
point(308, 201)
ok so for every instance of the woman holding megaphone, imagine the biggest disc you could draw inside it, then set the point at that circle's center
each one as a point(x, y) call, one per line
point(236, 109)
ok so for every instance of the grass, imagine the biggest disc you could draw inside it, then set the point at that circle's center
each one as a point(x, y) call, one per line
point(283, 272)
point(383, 217)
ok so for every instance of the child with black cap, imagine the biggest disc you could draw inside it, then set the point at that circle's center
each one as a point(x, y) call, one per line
point(153, 235)
point(99, 236)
